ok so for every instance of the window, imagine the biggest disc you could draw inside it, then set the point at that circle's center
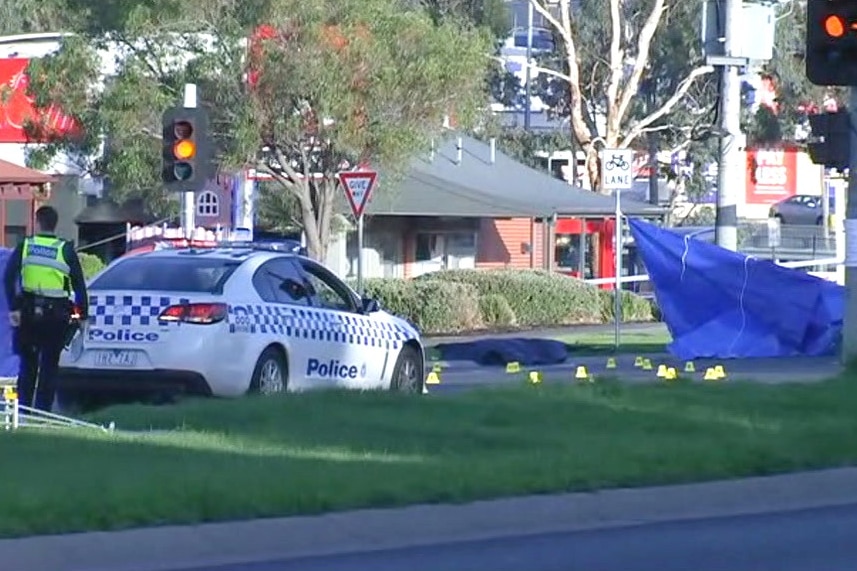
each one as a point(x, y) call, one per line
point(567, 254)
point(428, 248)
point(326, 289)
point(208, 204)
point(278, 281)
point(167, 273)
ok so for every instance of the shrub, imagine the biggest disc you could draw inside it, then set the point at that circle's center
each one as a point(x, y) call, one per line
point(90, 263)
point(464, 300)
point(536, 298)
point(495, 311)
point(432, 306)
point(634, 307)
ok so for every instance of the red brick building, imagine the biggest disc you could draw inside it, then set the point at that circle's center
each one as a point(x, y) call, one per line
point(467, 205)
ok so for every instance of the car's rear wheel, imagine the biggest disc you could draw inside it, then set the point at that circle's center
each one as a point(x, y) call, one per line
point(270, 375)
point(408, 373)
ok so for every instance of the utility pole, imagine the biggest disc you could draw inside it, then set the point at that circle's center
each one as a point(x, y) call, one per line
point(730, 175)
point(529, 74)
point(654, 190)
point(849, 331)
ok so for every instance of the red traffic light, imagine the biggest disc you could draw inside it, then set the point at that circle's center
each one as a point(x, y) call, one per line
point(834, 26)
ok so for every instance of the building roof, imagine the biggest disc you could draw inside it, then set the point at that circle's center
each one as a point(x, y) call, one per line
point(12, 173)
point(438, 184)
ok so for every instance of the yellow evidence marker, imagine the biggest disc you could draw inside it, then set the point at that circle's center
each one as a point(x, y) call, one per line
point(662, 371)
point(513, 367)
point(689, 367)
point(611, 362)
point(647, 365)
point(535, 377)
point(638, 362)
point(433, 379)
point(581, 374)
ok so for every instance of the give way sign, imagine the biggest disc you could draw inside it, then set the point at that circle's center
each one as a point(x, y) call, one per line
point(358, 188)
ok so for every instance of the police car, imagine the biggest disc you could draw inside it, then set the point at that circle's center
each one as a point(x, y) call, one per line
point(232, 320)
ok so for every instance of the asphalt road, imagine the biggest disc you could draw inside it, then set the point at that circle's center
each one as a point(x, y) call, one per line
point(821, 538)
point(463, 375)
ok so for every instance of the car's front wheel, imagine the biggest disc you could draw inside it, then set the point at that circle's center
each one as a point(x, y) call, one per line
point(270, 375)
point(408, 374)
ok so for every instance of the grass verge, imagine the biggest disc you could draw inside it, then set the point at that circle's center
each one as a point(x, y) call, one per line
point(311, 453)
point(649, 340)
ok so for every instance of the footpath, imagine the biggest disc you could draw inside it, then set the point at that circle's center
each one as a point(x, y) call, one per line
point(174, 547)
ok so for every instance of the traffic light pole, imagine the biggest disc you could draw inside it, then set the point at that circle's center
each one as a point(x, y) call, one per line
point(188, 200)
point(849, 329)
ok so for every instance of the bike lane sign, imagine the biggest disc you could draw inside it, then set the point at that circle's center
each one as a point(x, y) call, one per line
point(617, 171)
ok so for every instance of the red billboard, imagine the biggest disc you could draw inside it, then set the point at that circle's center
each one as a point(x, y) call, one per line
point(16, 107)
point(771, 175)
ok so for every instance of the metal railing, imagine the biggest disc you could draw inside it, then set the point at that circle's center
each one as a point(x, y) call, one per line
point(785, 241)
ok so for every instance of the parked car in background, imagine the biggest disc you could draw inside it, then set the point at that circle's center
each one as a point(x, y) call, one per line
point(800, 209)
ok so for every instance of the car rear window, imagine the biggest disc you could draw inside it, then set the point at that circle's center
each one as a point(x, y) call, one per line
point(154, 273)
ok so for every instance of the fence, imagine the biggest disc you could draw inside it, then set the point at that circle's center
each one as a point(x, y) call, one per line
point(786, 242)
point(812, 248)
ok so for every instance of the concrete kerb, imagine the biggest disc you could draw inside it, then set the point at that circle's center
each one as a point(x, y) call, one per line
point(176, 547)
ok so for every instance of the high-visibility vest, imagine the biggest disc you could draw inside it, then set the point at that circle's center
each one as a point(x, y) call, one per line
point(44, 270)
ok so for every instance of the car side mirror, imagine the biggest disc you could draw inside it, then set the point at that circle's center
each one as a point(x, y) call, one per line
point(370, 305)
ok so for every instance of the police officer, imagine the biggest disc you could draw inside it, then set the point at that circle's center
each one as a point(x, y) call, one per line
point(47, 270)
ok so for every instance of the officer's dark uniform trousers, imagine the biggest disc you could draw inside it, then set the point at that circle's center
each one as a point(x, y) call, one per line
point(40, 340)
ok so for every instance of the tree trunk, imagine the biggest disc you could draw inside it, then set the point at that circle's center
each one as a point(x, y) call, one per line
point(316, 216)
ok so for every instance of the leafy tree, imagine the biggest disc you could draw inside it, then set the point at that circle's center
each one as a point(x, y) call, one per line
point(321, 86)
point(608, 54)
point(796, 96)
point(32, 16)
point(491, 14)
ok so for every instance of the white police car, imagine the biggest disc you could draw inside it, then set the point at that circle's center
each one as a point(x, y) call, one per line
point(231, 320)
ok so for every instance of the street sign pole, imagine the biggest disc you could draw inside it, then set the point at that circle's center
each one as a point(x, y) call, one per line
point(617, 175)
point(358, 187)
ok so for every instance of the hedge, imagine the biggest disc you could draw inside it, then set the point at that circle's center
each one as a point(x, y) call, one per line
point(90, 263)
point(452, 301)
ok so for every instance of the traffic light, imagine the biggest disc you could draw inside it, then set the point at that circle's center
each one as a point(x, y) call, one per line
point(187, 150)
point(831, 42)
point(830, 140)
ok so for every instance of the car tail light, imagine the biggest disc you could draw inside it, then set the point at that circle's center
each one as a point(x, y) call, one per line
point(199, 313)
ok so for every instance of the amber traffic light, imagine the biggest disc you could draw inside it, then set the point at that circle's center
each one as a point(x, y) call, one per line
point(831, 42)
point(187, 149)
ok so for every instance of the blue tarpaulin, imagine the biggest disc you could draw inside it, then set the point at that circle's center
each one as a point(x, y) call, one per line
point(8, 359)
point(723, 304)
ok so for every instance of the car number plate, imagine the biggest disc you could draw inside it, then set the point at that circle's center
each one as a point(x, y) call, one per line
point(124, 359)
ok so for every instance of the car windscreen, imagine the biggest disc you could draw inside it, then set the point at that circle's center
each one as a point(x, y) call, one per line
point(163, 273)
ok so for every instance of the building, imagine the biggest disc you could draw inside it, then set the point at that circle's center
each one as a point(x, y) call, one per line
point(464, 204)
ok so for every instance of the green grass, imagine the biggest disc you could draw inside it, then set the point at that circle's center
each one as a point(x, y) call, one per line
point(639, 342)
point(311, 453)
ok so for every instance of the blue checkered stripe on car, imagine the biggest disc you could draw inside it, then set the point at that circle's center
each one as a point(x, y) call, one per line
point(129, 309)
point(316, 324)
